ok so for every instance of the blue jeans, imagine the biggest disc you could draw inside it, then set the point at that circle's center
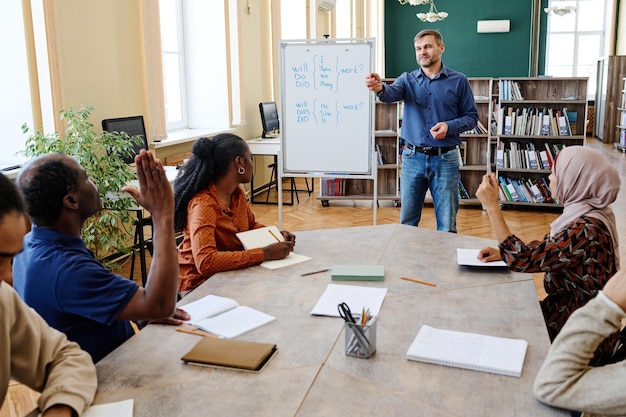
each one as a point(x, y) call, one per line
point(440, 174)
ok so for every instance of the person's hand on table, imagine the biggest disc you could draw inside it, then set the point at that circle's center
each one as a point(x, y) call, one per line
point(489, 254)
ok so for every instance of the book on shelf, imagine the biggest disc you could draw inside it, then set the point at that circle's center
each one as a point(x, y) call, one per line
point(572, 119)
point(241, 355)
point(379, 155)
point(224, 316)
point(563, 129)
point(545, 126)
point(462, 153)
point(463, 194)
point(500, 156)
point(333, 187)
point(508, 125)
point(265, 236)
point(477, 352)
point(545, 160)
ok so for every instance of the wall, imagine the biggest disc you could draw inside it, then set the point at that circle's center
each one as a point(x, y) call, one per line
point(475, 54)
point(100, 57)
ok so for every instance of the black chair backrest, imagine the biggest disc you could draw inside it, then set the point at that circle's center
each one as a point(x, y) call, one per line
point(133, 126)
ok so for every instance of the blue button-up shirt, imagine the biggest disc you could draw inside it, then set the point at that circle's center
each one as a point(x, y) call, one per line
point(446, 98)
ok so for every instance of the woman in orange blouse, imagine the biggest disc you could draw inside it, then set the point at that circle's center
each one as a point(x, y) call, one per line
point(581, 251)
point(211, 208)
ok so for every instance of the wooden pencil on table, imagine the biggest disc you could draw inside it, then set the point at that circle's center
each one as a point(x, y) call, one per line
point(419, 281)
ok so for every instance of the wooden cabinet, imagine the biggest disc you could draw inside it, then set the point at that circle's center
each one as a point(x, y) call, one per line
point(535, 118)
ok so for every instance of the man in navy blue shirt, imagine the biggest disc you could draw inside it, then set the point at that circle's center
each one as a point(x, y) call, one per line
point(60, 278)
point(438, 106)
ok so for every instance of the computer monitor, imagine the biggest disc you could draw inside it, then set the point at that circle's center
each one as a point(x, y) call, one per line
point(133, 126)
point(269, 118)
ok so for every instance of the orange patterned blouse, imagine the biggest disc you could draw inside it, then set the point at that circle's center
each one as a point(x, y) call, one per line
point(209, 244)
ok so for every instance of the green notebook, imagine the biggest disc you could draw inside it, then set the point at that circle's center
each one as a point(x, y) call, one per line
point(358, 273)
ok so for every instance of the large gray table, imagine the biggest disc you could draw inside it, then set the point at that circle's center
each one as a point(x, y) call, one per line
point(311, 376)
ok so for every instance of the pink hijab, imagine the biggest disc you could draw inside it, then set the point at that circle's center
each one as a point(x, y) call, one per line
point(586, 185)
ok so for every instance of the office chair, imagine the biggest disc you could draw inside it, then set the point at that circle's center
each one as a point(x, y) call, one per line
point(134, 126)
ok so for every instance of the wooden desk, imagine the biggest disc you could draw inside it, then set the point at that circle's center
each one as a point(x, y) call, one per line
point(271, 147)
point(311, 376)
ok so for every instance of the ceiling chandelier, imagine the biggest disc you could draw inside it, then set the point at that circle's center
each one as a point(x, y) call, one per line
point(560, 10)
point(433, 15)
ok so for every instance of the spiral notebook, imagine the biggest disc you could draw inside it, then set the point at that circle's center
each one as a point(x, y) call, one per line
point(473, 351)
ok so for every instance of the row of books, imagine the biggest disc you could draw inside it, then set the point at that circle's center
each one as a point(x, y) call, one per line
point(509, 90)
point(527, 156)
point(528, 121)
point(480, 129)
point(333, 186)
point(525, 190)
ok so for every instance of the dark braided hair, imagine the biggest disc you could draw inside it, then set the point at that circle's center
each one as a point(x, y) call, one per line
point(210, 161)
point(10, 199)
point(44, 182)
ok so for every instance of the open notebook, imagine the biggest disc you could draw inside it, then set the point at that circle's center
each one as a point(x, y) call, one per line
point(260, 238)
point(224, 316)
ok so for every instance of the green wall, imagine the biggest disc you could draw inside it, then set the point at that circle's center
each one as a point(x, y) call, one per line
point(474, 54)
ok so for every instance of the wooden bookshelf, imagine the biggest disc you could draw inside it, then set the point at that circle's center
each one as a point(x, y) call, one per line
point(544, 115)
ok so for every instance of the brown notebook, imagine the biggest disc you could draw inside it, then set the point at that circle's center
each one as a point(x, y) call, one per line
point(229, 353)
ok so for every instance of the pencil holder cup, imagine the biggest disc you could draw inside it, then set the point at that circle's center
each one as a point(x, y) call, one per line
point(361, 339)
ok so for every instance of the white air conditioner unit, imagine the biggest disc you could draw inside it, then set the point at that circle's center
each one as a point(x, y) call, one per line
point(327, 5)
point(493, 26)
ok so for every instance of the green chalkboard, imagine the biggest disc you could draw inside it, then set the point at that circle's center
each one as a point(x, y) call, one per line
point(474, 54)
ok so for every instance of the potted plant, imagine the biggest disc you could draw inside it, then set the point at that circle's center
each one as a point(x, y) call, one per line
point(100, 154)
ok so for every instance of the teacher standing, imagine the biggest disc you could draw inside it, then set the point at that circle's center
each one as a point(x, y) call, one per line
point(438, 106)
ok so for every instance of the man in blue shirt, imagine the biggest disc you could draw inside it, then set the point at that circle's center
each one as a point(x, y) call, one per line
point(438, 106)
point(60, 278)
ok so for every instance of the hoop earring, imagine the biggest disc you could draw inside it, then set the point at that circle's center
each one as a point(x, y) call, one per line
point(241, 170)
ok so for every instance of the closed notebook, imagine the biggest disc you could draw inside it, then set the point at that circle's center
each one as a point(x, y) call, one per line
point(234, 354)
point(473, 351)
point(358, 273)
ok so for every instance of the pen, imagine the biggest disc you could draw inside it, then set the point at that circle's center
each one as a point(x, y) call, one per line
point(419, 281)
point(275, 237)
point(315, 272)
point(196, 332)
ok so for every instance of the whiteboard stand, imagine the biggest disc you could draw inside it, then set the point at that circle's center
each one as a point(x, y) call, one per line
point(327, 112)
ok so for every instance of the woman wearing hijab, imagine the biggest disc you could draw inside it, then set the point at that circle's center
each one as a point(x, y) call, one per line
point(211, 207)
point(581, 251)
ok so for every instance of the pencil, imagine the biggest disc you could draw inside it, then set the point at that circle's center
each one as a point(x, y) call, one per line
point(419, 281)
point(196, 332)
point(315, 272)
point(275, 237)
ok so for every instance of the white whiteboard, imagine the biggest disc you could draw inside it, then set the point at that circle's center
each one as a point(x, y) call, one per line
point(327, 111)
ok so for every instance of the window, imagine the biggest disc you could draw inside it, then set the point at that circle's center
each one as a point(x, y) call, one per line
point(195, 61)
point(575, 41)
point(293, 20)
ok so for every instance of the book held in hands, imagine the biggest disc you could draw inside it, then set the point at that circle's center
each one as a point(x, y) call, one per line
point(497, 355)
point(264, 236)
